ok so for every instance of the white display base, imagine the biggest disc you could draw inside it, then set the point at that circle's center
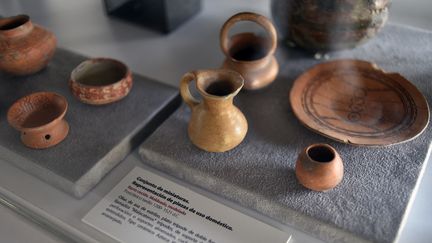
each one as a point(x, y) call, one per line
point(62, 214)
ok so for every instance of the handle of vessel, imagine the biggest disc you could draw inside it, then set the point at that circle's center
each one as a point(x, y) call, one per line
point(253, 17)
point(185, 92)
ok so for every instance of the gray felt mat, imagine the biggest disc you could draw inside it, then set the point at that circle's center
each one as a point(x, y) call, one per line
point(99, 137)
point(371, 202)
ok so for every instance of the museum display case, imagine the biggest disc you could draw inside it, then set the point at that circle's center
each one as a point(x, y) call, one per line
point(153, 148)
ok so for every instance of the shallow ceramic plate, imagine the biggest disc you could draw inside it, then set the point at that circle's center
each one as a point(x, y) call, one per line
point(355, 102)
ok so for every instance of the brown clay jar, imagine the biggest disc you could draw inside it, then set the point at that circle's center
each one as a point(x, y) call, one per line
point(326, 25)
point(100, 81)
point(216, 125)
point(39, 118)
point(319, 167)
point(25, 48)
point(249, 54)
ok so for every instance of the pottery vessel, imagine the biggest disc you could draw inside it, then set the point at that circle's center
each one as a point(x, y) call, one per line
point(249, 54)
point(325, 25)
point(39, 118)
point(356, 102)
point(216, 125)
point(25, 48)
point(100, 81)
point(319, 167)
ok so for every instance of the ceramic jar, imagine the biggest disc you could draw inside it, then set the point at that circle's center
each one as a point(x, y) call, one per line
point(216, 125)
point(39, 118)
point(100, 81)
point(249, 54)
point(25, 48)
point(319, 167)
point(325, 25)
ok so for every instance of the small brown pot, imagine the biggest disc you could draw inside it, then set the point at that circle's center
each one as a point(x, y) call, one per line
point(25, 48)
point(216, 124)
point(319, 167)
point(251, 55)
point(100, 81)
point(39, 118)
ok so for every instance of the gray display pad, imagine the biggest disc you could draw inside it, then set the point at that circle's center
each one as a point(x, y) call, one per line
point(379, 183)
point(99, 137)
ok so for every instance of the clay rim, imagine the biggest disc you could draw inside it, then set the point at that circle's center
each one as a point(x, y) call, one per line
point(126, 72)
point(219, 74)
point(13, 22)
point(415, 93)
point(267, 48)
point(11, 26)
point(29, 97)
point(328, 148)
point(261, 20)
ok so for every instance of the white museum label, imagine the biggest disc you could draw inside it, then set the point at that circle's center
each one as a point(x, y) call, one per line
point(145, 207)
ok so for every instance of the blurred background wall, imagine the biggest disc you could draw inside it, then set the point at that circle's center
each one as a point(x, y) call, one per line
point(412, 12)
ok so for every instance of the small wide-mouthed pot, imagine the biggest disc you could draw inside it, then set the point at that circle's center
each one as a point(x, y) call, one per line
point(319, 167)
point(100, 81)
point(25, 48)
point(39, 118)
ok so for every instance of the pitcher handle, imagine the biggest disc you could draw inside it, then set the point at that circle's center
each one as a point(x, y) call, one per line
point(248, 16)
point(185, 92)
